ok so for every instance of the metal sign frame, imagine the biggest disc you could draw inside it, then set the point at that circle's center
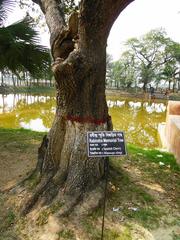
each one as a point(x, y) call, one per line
point(106, 155)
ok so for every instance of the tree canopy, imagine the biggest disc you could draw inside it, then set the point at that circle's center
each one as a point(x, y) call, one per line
point(150, 58)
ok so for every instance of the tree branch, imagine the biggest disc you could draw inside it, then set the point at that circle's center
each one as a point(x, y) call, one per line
point(53, 11)
point(101, 14)
point(37, 2)
point(112, 10)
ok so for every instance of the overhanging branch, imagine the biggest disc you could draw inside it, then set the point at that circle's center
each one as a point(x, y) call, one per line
point(37, 2)
point(53, 11)
point(113, 8)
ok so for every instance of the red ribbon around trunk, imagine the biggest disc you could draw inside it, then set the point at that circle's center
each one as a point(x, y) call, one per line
point(87, 119)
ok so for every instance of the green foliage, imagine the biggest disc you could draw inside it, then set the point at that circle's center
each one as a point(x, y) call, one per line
point(148, 53)
point(19, 46)
point(109, 69)
point(69, 6)
point(174, 49)
point(122, 72)
point(150, 58)
point(19, 49)
point(170, 70)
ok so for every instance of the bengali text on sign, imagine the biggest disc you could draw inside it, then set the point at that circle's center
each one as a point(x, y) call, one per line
point(106, 143)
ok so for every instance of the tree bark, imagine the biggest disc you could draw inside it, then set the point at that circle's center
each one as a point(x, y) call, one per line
point(79, 53)
point(13, 80)
point(2, 78)
point(169, 84)
point(144, 85)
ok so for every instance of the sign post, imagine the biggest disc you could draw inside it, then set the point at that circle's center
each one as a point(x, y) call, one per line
point(106, 171)
point(105, 144)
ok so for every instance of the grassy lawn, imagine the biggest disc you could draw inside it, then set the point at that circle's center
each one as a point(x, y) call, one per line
point(143, 195)
point(31, 89)
point(35, 89)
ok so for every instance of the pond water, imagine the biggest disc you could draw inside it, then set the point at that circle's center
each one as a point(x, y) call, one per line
point(138, 119)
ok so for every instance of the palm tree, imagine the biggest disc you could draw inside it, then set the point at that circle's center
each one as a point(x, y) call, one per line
point(19, 46)
point(5, 7)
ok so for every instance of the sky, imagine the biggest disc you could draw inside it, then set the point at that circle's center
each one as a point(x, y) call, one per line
point(137, 19)
point(140, 17)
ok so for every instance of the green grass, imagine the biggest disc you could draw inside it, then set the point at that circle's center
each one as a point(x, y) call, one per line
point(21, 139)
point(94, 231)
point(148, 217)
point(7, 215)
point(32, 89)
point(91, 229)
point(43, 216)
point(110, 234)
point(175, 236)
point(18, 134)
point(66, 234)
point(153, 155)
point(135, 202)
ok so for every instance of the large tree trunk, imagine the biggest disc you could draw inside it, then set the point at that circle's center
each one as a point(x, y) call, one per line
point(79, 52)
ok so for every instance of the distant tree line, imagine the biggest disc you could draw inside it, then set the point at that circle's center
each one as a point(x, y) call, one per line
point(24, 78)
point(152, 59)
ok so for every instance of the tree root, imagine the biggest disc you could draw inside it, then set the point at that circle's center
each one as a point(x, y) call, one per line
point(69, 203)
point(32, 199)
point(81, 204)
point(91, 201)
point(46, 193)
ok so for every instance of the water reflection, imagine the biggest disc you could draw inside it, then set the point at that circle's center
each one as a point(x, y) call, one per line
point(138, 119)
point(35, 124)
point(34, 112)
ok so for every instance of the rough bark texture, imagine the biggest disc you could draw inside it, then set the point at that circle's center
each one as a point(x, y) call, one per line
point(79, 53)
